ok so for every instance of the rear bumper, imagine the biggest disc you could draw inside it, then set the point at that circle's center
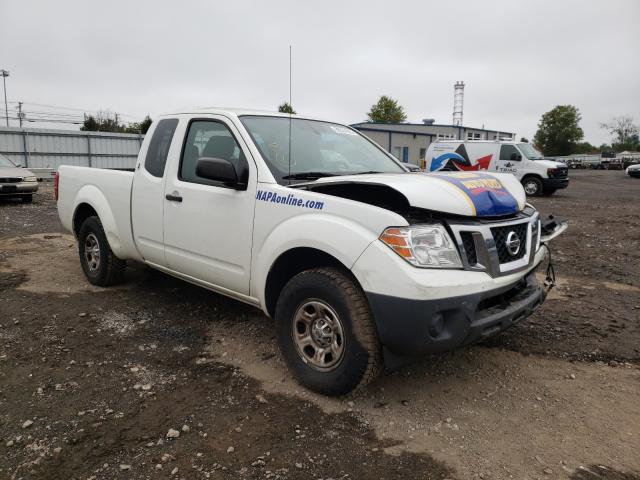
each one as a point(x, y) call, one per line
point(555, 183)
point(18, 188)
point(410, 327)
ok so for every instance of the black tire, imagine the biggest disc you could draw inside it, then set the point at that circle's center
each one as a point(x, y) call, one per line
point(361, 356)
point(532, 186)
point(26, 198)
point(109, 269)
point(549, 191)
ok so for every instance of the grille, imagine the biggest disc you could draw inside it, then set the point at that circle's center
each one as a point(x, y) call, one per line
point(500, 237)
point(469, 247)
point(562, 172)
point(10, 179)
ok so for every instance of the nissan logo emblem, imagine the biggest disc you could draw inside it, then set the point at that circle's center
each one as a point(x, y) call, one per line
point(512, 243)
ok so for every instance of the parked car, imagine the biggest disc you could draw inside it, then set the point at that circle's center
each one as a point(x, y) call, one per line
point(16, 181)
point(357, 259)
point(538, 175)
point(633, 170)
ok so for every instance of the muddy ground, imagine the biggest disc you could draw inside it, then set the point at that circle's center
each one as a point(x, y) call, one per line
point(92, 380)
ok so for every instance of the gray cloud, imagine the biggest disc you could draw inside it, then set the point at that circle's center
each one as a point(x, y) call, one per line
point(518, 58)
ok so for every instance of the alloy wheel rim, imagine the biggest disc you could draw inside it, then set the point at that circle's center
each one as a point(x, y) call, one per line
point(318, 335)
point(92, 252)
point(531, 188)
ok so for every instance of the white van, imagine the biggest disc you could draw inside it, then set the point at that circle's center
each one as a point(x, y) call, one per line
point(538, 176)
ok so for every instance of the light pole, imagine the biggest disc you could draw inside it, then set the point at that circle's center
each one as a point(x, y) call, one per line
point(5, 74)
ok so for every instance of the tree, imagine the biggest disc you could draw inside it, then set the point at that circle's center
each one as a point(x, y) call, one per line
point(559, 131)
point(286, 108)
point(624, 133)
point(387, 110)
point(524, 140)
point(584, 147)
point(139, 127)
point(104, 122)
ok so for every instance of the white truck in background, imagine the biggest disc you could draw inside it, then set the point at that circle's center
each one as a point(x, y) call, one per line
point(538, 175)
point(358, 260)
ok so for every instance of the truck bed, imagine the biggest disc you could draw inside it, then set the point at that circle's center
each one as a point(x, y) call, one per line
point(108, 192)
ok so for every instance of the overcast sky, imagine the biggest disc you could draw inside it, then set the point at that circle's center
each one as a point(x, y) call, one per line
point(517, 58)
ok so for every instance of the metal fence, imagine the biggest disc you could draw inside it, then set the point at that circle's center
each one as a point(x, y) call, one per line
point(44, 148)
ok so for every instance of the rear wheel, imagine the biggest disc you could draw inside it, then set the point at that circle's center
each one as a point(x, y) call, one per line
point(327, 333)
point(532, 186)
point(100, 265)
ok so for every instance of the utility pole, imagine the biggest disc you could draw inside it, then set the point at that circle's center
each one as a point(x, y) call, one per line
point(5, 74)
point(20, 114)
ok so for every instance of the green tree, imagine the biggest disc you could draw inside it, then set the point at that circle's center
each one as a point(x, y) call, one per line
point(286, 108)
point(559, 131)
point(102, 122)
point(139, 127)
point(624, 133)
point(387, 110)
point(585, 147)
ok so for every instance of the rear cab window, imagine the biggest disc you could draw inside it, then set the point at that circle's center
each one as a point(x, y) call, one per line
point(156, 158)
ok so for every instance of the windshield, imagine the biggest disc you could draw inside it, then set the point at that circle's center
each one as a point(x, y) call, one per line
point(317, 149)
point(5, 162)
point(530, 152)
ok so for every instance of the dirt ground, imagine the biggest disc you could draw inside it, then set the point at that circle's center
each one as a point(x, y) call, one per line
point(160, 379)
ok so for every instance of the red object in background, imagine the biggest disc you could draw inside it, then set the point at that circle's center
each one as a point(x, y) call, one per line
point(483, 164)
point(56, 184)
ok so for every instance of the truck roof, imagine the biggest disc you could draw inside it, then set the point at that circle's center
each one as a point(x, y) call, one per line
point(234, 111)
point(453, 140)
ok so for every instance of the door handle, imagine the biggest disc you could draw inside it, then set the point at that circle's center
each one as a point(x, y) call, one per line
point(173, 197)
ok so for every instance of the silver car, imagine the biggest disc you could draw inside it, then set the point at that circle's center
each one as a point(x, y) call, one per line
point(16, 181)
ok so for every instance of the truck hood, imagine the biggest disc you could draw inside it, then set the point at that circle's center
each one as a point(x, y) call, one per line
point(549, 163)
point(14, 172)
point(471, 194)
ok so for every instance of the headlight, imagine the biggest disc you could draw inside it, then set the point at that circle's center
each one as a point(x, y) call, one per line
point(31, 178)
point(427, 246)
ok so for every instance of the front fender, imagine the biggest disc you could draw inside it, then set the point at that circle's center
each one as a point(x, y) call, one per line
point(93, 197)
point(331, 234)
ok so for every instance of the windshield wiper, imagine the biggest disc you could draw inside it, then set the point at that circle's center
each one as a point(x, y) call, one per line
point(365, 173)
point(308, 175)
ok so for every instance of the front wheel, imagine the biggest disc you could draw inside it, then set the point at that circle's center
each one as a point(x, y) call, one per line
point(532, 186)
point(100, 265)
point(327, 333)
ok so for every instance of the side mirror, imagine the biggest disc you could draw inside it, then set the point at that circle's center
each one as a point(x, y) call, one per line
point(219, 170)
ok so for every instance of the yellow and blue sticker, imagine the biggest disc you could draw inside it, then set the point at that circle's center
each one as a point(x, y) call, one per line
point(485, 193)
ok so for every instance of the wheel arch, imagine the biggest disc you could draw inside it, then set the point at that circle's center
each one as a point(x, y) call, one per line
point(91, 201)
point(293, 262)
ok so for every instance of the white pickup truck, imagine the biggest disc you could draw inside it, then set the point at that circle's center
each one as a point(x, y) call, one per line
point(358, 260)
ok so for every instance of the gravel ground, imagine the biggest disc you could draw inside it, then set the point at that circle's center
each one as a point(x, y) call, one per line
point(160, 379)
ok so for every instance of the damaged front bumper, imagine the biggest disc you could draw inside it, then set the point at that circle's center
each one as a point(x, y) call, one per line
point(410, 327)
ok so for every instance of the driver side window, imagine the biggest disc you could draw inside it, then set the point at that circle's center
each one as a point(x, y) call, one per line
point(509, 152)
point(211, 139)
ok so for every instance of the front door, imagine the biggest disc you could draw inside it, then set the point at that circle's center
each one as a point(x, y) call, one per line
point(509, 160)
point(208, 226)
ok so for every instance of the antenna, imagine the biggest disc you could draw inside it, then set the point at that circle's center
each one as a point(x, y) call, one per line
point(290, 110)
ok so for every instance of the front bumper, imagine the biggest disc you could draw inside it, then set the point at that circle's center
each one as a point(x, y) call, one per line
point(409, 327)
point(555, 183)
point(21, 188)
